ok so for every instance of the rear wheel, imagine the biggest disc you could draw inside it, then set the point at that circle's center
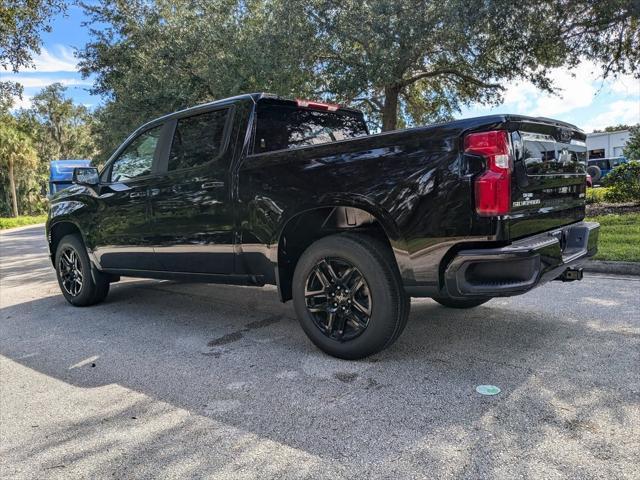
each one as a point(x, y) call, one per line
point(461, 303)
point(349, 297)
point(79, 285)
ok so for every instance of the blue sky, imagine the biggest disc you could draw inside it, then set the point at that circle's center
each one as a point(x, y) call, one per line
point(583, 98)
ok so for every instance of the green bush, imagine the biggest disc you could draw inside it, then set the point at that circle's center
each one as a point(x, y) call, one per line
point(12, 222)
point(623, 183)
point(595, 195)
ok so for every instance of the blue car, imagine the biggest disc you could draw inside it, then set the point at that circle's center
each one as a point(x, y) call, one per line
point(599, 168)
point(61, 173)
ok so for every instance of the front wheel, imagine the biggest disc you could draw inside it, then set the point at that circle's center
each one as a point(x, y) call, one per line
point(78, 285)
point(462, 302)
point(349, 297)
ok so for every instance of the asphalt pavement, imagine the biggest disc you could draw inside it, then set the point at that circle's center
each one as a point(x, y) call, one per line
point(168, 380)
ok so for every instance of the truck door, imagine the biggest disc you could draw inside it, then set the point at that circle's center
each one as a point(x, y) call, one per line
point(122, 220)
point(191, 208)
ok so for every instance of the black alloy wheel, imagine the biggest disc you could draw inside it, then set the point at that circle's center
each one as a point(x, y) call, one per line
point(338, 299)
point(348, 295)
point(70, 271)
point(80, 284)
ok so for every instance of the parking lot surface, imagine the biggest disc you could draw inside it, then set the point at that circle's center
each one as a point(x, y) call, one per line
point(173, 380)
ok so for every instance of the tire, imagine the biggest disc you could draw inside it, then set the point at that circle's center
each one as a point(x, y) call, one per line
point(595, 172)
point(79, 285)
point(376, 288)
point(461, 303)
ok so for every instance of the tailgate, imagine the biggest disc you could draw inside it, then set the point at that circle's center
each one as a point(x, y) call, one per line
point(549, 177)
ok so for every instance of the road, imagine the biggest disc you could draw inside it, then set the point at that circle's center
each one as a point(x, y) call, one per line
point(168, 380)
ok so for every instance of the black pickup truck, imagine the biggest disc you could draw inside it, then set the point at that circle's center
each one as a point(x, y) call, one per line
point(257, 190)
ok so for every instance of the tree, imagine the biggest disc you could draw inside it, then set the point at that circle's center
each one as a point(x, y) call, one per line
point(16, 156)
point(419, 60)
point(21, 24)
point(156, 57)
point(61, 128)
point(632, 148)
point(54, 127)
point(614, 128)
point(403, 62)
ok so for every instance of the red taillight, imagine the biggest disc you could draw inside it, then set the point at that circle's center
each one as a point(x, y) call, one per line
point(493, 187)
point(317, 105)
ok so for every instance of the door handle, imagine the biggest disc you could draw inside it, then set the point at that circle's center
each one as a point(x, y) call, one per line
point(209, 185)
point(137, 194)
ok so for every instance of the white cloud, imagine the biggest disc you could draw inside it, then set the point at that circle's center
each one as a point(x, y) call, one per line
point(39, 82)
point(625, 85)
point(60, 60)
point(24, 102)
point(621, 111)
point(575, 88)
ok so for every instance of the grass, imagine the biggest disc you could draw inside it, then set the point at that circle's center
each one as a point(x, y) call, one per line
point(12, 222)
point(619, 238)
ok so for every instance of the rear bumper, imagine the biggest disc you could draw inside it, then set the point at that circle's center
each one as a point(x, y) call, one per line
point(521, 266)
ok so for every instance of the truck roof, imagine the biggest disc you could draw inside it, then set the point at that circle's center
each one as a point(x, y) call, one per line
point(256, 96)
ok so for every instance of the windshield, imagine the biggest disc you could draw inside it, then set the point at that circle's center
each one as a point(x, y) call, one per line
point(282, 126)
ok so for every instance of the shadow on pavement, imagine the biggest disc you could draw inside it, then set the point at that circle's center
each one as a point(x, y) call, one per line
point(237, 357)
point(211, 380)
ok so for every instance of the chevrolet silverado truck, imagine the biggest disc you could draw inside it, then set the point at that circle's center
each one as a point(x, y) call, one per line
point(257, 189)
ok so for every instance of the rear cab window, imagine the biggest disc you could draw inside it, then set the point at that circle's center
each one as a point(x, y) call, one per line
point(282, 125)
point(198, 140)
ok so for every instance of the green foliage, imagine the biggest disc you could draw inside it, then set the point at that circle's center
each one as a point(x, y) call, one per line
point(161, 56)
point(13, 222)
point(61, 128)
point(614, 128)
point(623, 183)
point(18, 159)
point(21, 24)
point(403, 63)
point(53, 128)
point(595, 195)
point(619, 237)
point(632, 148)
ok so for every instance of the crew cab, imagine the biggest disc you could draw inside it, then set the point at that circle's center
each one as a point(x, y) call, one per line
point(257, 189)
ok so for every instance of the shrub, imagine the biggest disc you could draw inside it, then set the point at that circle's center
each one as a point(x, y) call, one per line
point(624, 183)
point(596, 195)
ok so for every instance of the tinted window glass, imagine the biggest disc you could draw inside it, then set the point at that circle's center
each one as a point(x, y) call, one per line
point(283, 126)
point(198, 140)
point(137, 159)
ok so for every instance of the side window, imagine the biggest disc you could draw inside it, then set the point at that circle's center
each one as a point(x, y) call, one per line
point(137, 158)
point(197, 140)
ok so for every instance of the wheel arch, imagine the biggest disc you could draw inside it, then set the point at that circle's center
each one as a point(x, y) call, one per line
point(309, 225)
point(57, 231)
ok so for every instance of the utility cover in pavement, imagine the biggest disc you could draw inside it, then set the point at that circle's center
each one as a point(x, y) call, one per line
point(487, 390)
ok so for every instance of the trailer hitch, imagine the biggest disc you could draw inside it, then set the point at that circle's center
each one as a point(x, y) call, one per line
point(571, 274)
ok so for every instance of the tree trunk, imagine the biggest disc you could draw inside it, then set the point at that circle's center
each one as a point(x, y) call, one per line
point(390, 108)
point(12, 190)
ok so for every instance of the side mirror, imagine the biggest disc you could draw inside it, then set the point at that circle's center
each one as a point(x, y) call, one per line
point(86, 176)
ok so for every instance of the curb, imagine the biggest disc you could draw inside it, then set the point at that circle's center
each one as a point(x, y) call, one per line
point(615, 268)
point(17, 229)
